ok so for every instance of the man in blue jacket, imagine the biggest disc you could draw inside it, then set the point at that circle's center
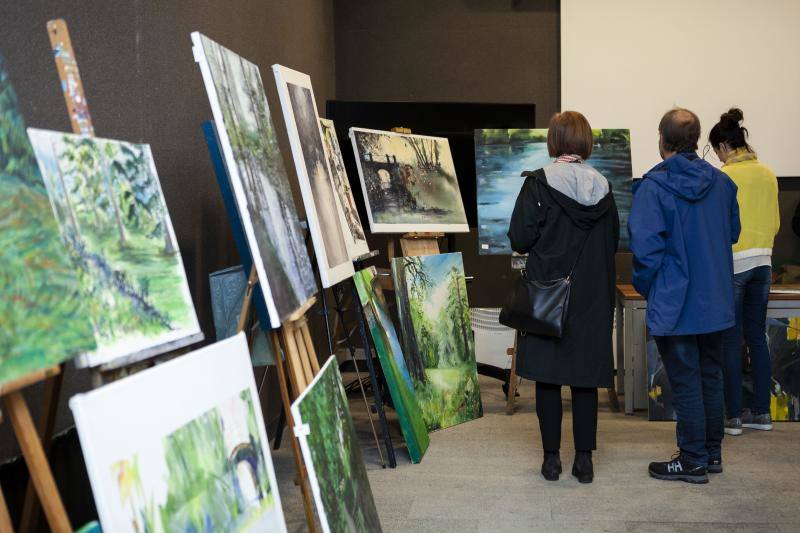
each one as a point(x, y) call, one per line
point(683, 221)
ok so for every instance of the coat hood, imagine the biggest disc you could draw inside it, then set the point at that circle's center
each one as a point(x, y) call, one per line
point(683, 175)
point(583, 216)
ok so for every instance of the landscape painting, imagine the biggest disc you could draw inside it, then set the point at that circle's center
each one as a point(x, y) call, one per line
point(390, 354)
point(437, 337)
point(354, 232)
point(323, 209)
point(501, 155)
point(409, 182)
point(332, 455)
point(115, 225)
point(659, 390)
point(45, 317)
point(258, 178)
point(181, 447)
point(784, 350)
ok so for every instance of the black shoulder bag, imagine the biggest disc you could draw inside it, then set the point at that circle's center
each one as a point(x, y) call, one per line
point(539, 307)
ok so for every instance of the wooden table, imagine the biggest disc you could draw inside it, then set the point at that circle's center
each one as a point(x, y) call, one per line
point(631, 333)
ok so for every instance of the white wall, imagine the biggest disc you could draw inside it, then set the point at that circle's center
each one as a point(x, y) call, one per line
point(625, 62)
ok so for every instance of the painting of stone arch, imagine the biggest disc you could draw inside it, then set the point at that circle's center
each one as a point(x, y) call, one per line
point(409, 182)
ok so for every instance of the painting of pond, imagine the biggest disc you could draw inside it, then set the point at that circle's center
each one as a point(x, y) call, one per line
point(501, 155)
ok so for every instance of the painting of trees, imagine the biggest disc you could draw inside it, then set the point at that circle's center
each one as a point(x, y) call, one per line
point(437, 337)
point(114, 222)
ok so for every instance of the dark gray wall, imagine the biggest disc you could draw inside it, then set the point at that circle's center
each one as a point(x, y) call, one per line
point(490, 51)
point(142, 85)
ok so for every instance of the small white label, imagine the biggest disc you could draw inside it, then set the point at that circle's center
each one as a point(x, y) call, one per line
point(196, 54)
point(484, 246)
point(302, 430)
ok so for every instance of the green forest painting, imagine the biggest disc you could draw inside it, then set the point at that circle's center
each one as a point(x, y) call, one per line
point(114, 222)
point(333, 455)
point(390, 354)
point(208, 475)
point(437, 337)
point(43, 315)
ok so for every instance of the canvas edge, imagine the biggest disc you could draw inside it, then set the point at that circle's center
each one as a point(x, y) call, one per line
point(354, 144)
point(233, 172)
point(329, 274)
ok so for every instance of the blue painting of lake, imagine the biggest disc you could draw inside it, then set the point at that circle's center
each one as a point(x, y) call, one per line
point(502, 155)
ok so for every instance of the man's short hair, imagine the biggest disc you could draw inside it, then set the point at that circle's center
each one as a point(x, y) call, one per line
point(680, 130)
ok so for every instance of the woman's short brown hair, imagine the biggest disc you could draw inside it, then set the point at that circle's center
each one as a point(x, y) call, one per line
point(569, 133)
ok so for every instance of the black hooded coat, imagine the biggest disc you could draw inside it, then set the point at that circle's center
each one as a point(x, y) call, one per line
point(550, 227)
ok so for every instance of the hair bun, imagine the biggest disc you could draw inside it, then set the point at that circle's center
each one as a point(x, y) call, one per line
point(732, 119)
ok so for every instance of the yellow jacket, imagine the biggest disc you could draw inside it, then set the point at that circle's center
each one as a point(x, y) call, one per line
point(758, 203)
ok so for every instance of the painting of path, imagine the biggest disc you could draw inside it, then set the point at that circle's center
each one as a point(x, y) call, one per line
point(502, 155)
point(258, 178)
point(437, 337)
point(409, 182)
point(114, 222)
point(45, 319)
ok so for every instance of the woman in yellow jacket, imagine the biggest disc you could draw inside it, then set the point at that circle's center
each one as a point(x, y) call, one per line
point(752, 268)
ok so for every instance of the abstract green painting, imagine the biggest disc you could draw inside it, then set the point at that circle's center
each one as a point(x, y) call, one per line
point(43, 318)
point(437, 337)
point(332, 455)
point(114, 223)
point(390, 354)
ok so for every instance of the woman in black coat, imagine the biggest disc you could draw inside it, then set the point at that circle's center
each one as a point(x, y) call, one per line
point(565, 215)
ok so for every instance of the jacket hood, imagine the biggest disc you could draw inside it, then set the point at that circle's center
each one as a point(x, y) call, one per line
point(583, 216)
point(684, 175)
point(581, 182)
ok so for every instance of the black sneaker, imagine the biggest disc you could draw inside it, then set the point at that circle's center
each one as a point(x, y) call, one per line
point(714, 466)
point(551, 467)
point(753, 421)
point(677, 469)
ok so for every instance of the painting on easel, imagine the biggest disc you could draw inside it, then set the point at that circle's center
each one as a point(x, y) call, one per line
point(115, 225)
point(181, 446)
point(45, 318)
point(409, 182)
point(437, 337)
point(258, 178)
point(332, 455)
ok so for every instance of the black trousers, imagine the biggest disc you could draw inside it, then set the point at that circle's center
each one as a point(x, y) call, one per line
point(584, 416)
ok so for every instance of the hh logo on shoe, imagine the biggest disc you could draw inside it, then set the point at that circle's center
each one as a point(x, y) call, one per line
point(674, 467)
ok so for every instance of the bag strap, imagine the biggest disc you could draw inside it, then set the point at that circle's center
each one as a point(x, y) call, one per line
point(586, 238)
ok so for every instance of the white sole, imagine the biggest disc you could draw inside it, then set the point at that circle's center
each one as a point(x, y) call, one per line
point(760, 427)
point(733, 432)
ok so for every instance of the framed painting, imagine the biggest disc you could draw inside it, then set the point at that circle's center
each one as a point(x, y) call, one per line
point(354, 232)
point(437, 337)
point(258, 178)
point(501, 155)
point(390, 354)
point(181, 446)
point(332, 455)
point(659, 389)
point(783, 335)
point(409, 182)
point(324, 211)
point(114, 223)
point(45, 319)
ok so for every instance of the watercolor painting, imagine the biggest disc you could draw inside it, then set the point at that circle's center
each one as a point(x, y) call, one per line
point(324, 211)
point(45, 318)
point(351, 222)
point(332, 455)
point(783, 335)
point(258, 178)
point(437, 337)
point(502, 155)
point(115, 225)
point(390, 354)
point(181, 447)
point(409, 182)
point(659, 390)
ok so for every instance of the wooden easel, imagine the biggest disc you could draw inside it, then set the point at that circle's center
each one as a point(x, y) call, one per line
point(302, 363)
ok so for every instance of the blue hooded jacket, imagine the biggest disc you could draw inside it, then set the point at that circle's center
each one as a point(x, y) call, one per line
point(683, 221)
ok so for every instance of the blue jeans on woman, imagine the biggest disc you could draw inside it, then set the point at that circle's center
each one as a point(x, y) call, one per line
point(751, 295)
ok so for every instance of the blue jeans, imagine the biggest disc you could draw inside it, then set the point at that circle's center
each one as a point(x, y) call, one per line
point(750, 298)
point(694, 368)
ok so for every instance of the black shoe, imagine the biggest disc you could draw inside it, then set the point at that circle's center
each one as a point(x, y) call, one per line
point(714, 466)
point(582, 468)
point(678, 469)
point(551, 467)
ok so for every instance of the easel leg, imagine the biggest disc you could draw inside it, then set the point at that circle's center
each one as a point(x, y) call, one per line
point(52, 393)
point(5, 518)
point(298, 459)
point(373, 378)
point(338, 303)
point(38, 467)
point(512, 379)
